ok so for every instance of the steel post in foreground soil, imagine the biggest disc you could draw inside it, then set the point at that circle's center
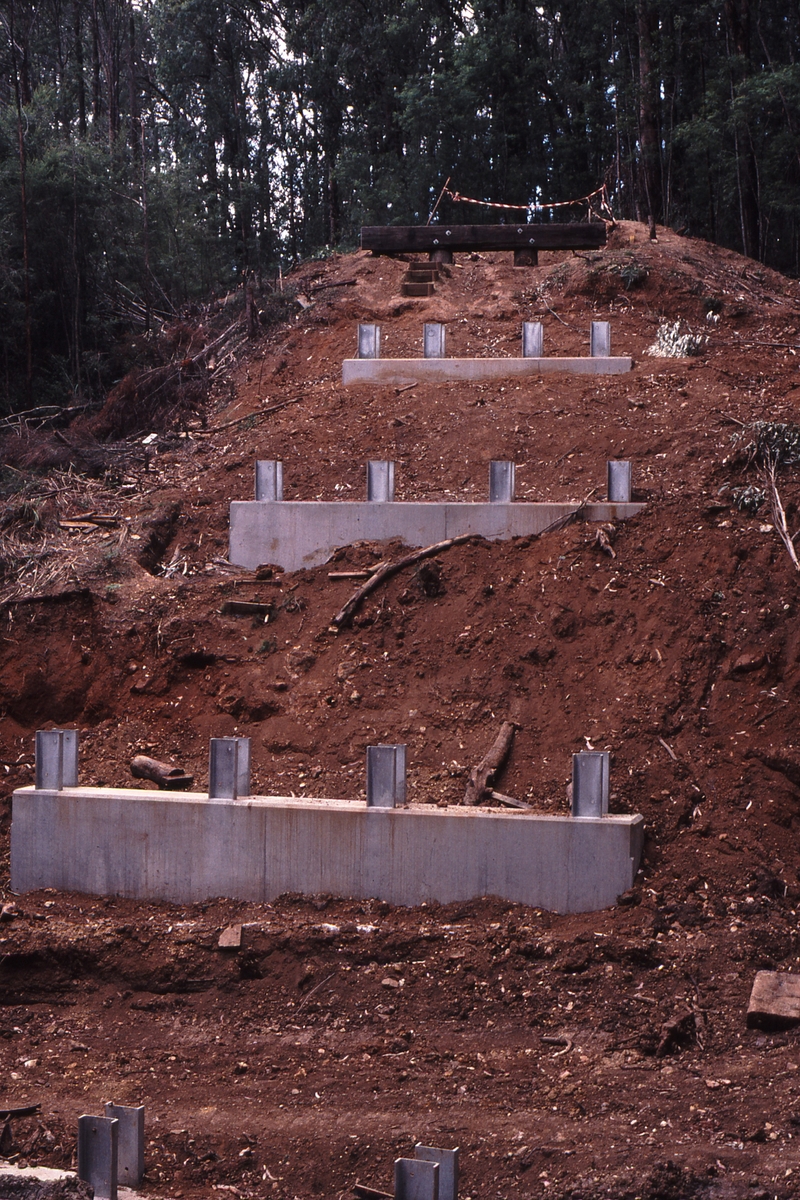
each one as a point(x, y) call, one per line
point(502, 482)
point(229, 768)
point(590, 771)
point(56, 759)
point(416, 1179)
point(130, 1142)
point(532, 339)
point(619, 481)
point(380, 480)
point(97, 1155)
point(448, 1168)
point(386, 776)
point(269, 479)
point(600, 339)
point(369, 341)
point(433, 340)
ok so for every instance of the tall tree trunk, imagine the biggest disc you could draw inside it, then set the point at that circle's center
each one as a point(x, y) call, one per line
point(81, 85)
point(18, 94)
point(133, 103)
point(96, 88)
point(650, 169)
point(737, 15)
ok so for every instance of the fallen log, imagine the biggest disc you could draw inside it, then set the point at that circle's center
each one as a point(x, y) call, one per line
point(344, 616)
point(482, 776)
point(168, 778)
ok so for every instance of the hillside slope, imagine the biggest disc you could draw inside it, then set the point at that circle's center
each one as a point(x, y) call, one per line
point(680, 655)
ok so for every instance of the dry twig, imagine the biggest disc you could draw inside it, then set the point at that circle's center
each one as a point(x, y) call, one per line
point(769, 472)
point(345, 614)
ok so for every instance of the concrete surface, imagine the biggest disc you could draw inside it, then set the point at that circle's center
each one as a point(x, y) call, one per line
point(185, 847)
point(295, 534)
point(41, 1183)
point(398, 372)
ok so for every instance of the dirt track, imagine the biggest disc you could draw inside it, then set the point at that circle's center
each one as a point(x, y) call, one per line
point(680, 655)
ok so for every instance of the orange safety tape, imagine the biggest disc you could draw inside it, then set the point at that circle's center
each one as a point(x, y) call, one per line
point(601, 191)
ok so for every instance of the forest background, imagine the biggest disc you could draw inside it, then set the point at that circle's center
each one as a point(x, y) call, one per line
point(155, 152)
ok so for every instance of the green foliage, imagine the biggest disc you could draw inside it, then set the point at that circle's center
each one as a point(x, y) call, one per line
point(176, 147)
point(748, 499)
point(769, 443)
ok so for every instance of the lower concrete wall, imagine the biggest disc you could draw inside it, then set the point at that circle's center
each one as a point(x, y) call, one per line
point(294, 534)
point(185, 848)
point(397, 372)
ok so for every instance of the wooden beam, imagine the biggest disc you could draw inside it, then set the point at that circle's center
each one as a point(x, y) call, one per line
point(405, 239)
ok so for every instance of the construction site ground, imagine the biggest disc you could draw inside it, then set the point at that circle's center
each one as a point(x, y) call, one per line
point(584, 1056)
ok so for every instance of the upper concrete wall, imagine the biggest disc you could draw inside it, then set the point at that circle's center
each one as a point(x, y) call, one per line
point(295, 534)
point(397, 372)
point(187, 848)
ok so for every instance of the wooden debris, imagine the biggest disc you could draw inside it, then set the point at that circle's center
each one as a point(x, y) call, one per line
point(603, 539)
point(669, 750)
point(482, 776)
point(90, 521)
point(230, 938)
point(769, 475)
point(566, 1042)
point(168, 778)
point(680, 1030)
point(774, 1001)
point(367, 1193)
point(365, 573)
point(345, 615)
point(509, 801)
point(246, 608)
point(30, 1110)
point(253, 416)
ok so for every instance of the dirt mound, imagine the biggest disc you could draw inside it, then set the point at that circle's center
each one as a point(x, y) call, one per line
point(673, 646)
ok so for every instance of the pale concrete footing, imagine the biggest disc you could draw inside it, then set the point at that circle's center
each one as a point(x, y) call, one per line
point(41, 1183)
point(398, 372)
point(187, 847)
point(296, 534)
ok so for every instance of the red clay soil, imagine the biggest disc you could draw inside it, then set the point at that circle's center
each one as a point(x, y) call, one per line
point(343, 1032)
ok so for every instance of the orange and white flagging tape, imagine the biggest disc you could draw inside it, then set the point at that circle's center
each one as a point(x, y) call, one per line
point(602, 192)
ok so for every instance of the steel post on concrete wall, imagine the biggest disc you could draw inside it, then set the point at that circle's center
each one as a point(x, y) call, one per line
point(448, 1168)
point(502, 482)
point(269, 479)
point(600, 339)
point(590, 774)
point(532, 339)
point(229, 768)
point(416, 1179)
point(56, 759)
point(526, 258)
point(130, 1142)
point(380, 480)
point(433, 340)
point(97, 1155)
point(386, 776)
point(619, 481)
point(369, 341)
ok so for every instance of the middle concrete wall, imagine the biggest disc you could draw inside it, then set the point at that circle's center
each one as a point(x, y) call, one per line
point(295, 534)
point(187, 847)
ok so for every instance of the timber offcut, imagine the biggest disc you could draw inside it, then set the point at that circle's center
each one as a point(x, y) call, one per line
point(407, 239)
